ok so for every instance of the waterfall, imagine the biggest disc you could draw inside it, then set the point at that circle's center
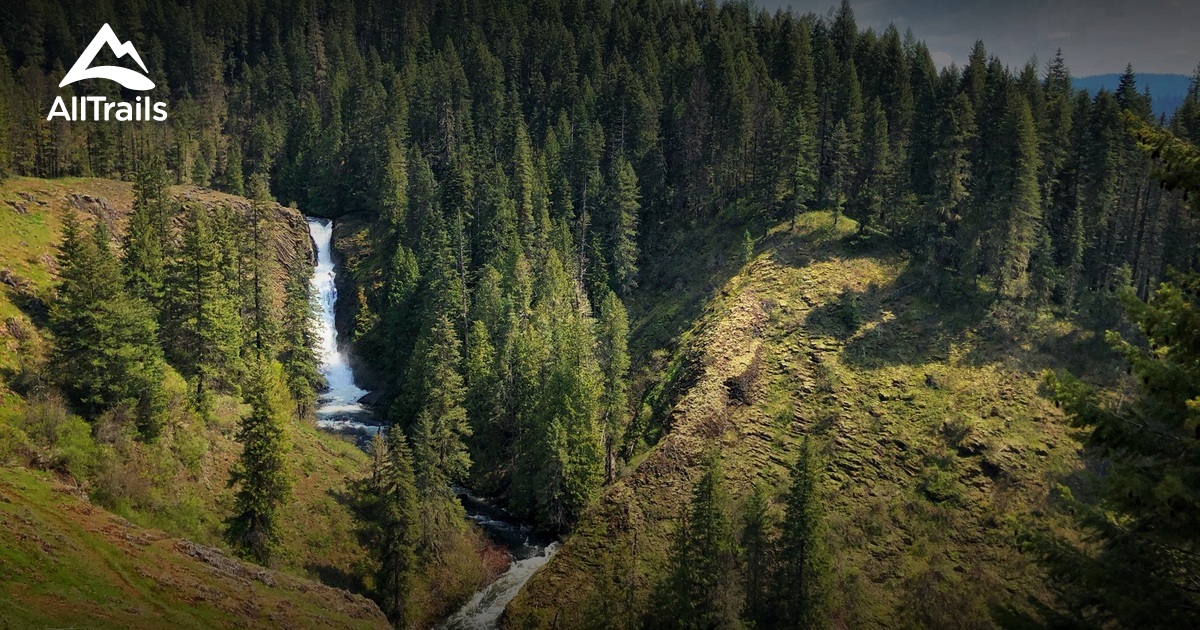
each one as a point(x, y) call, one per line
point(338, 408)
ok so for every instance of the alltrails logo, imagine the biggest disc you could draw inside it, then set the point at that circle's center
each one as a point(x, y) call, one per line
point(101, 108)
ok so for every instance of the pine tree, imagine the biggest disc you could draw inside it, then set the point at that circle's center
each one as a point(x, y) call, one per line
point(701, 588)
point(231, 180)
point(106, 354)
point(758, 548)
point(801, 578)
point(1019, 200)
point(145, 262)
point(440, 423)
point(524, 184)
point(400, 317)
point(588, 181)
point(801, 149)
point(951, 168)
point(298, 343)
point(802, 152)
point(841, 157)
point(559, 459)
point(1138, 572)
point(845, 31)
point(7, 99)
point(201, 328)
point(875, 171)
point(612, 335)
point(484, 404)
point(260, 474)
point(399, 523)
point(624, 208)
point(975, 76)
point(394, 191)
point(260, 325)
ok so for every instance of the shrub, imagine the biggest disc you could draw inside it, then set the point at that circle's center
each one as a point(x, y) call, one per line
point(15, 447)
point(63, 440)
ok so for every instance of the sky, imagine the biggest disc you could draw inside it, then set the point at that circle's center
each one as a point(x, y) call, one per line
point(1096, 37)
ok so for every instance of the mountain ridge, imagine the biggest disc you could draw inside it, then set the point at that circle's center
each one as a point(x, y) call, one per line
point(1167, 91)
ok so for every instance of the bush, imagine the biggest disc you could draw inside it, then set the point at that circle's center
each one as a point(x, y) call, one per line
point(63, 441)
point(15, 447)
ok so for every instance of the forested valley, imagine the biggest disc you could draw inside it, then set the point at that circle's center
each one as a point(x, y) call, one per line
point(771, 321)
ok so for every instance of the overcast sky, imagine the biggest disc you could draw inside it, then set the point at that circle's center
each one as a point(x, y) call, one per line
point(1097, 37)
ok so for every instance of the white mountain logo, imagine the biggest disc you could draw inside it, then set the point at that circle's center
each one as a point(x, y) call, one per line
point(131, 79)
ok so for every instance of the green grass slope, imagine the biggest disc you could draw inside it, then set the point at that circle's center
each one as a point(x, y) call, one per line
point(936, 439)
point(67, 563)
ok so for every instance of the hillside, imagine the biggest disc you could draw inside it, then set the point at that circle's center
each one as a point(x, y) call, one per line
point(70, 563)
point(178, 483)
point(937, 442)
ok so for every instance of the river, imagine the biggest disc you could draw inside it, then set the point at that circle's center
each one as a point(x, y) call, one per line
point(339, 410)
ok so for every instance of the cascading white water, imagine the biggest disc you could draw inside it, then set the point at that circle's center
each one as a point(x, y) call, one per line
point(339, 407)
point(483, 610)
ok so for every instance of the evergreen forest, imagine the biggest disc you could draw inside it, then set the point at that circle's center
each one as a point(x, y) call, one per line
point(764, 318)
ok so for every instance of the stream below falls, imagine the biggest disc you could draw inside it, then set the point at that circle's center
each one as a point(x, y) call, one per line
point(339, 410)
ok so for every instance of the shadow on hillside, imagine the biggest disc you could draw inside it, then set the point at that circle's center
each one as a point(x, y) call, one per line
point(928, 314)
point(339, 577)
point(927, 318)
point(25, 297)
point(335, 577)
point(685, 273)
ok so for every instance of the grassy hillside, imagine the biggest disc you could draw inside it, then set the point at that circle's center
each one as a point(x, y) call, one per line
point(177, 484)
point(937, 441)
point(66, 562)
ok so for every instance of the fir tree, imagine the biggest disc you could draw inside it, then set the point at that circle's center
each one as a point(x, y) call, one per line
point(145, 262)
point(298, 343)
point(440, 423)
point(1139, 571)
point(874, 172)
point(803, 147)
point(398, 522)
point(841, 157)
point(106, 353)
point(484, 404)
point(612, 335)
point(231, 180)
point(625, 206)
point(758, 548)
point(700, 589)
point(201, 328)
point(260, 325)
point(260, 474)
point(801, 578)
point(951, 168)
point(1019, 200)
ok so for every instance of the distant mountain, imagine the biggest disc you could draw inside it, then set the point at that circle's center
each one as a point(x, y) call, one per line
point(1166, 90)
